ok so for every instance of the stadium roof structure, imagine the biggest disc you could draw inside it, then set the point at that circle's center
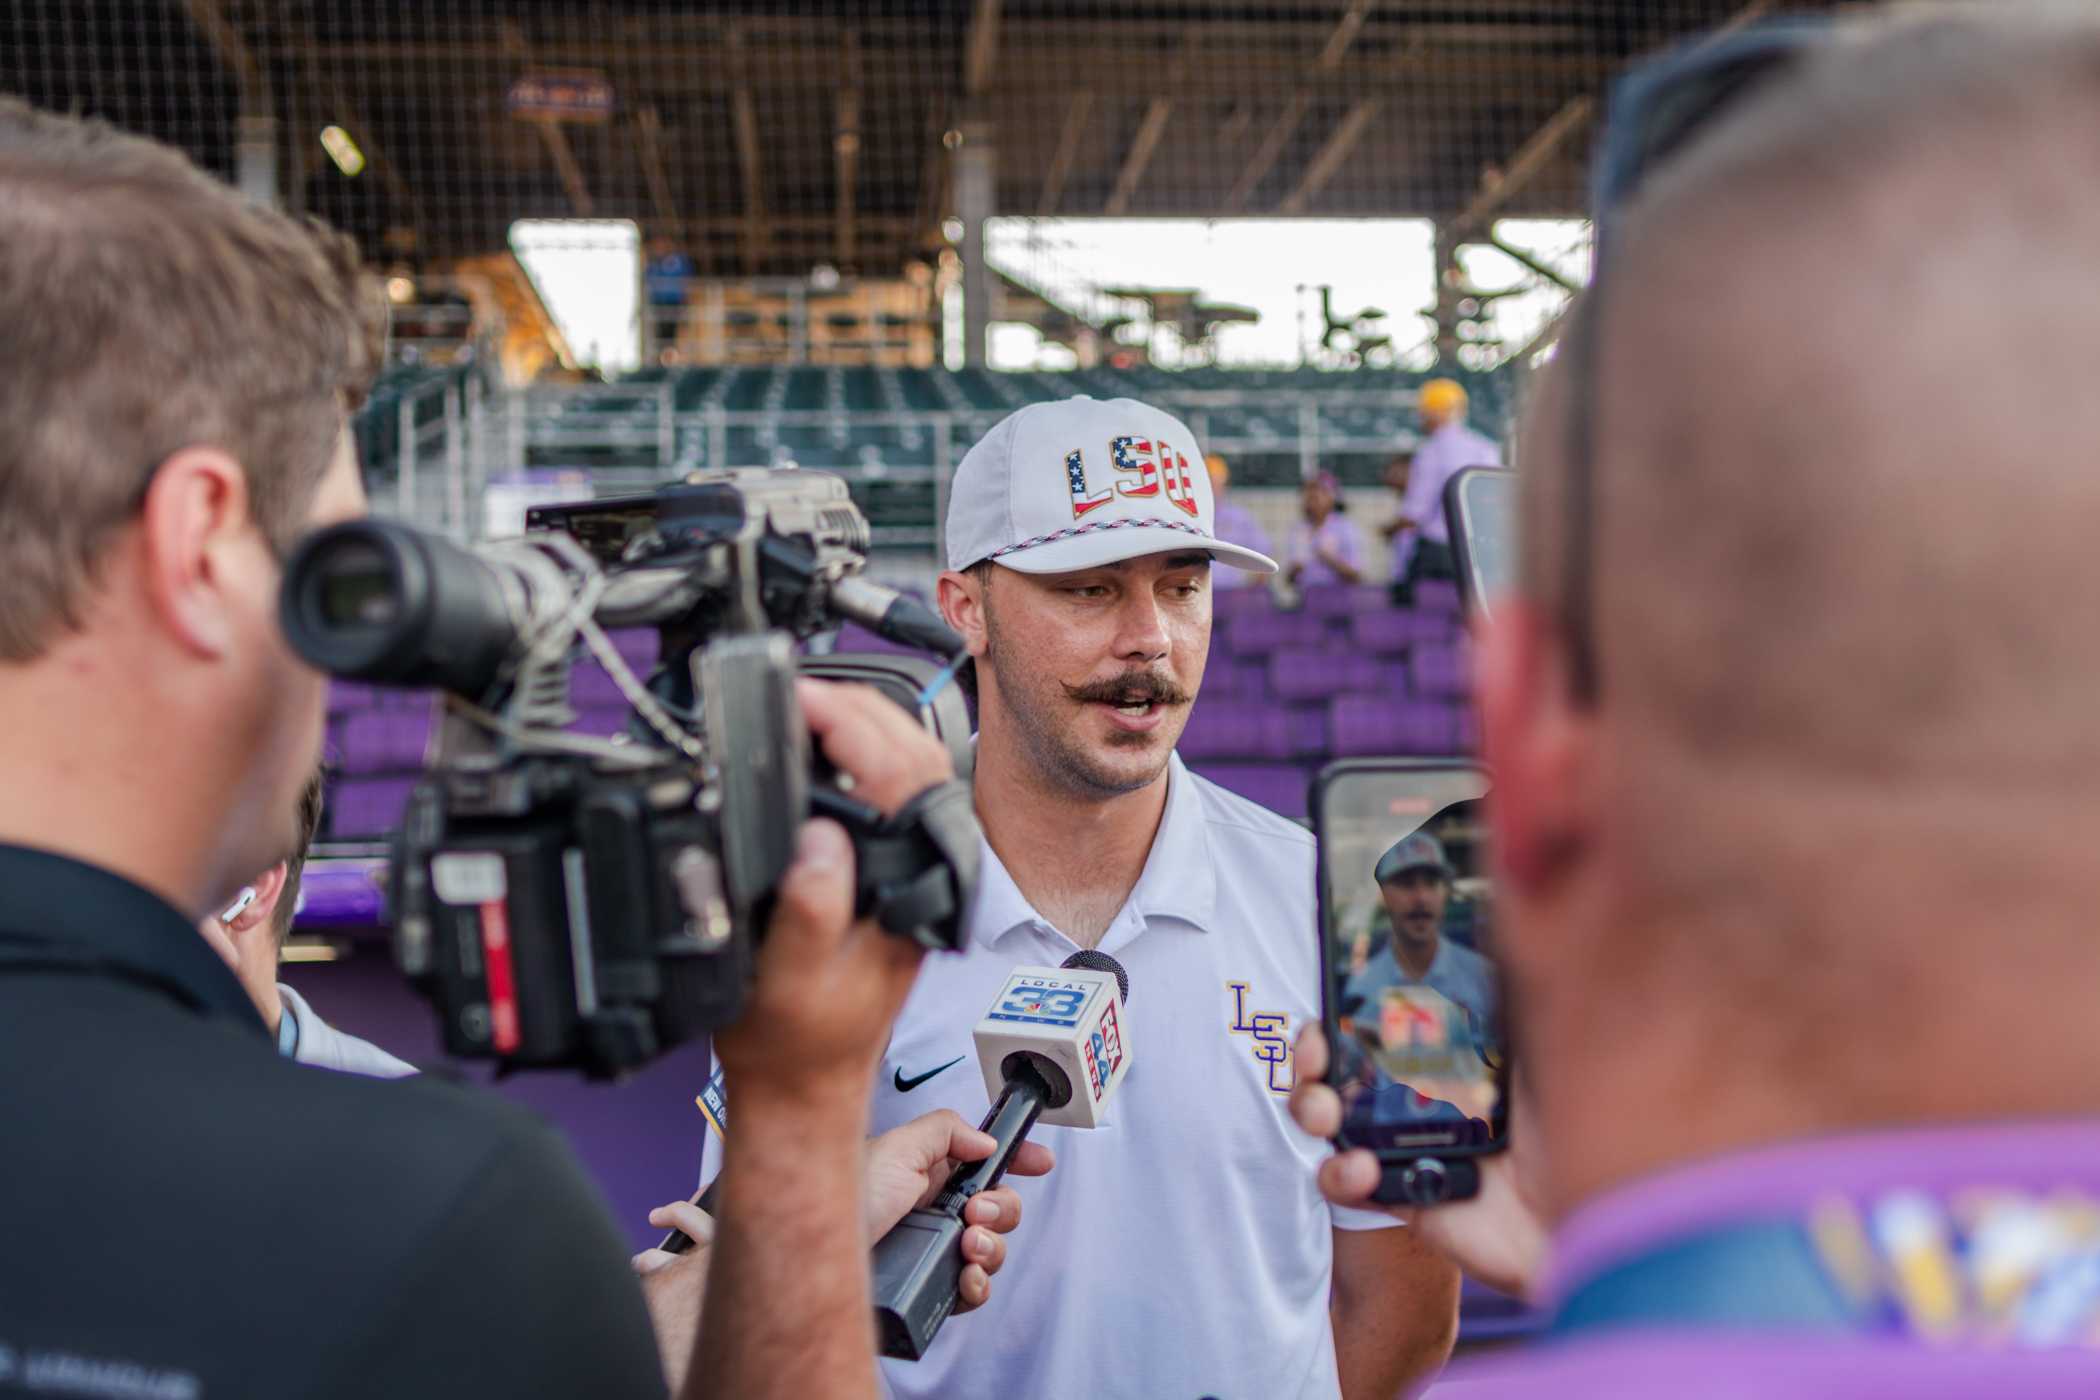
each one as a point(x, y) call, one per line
point(768, 138)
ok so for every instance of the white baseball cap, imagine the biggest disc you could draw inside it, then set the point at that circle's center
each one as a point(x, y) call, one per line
point(1083, 482)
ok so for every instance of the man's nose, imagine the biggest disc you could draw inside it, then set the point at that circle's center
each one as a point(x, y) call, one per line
point(1141, 628)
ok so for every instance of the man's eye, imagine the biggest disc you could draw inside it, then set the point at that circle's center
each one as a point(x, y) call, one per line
point(1088, 590)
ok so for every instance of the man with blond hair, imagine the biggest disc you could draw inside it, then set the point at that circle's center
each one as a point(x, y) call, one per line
point(1790, 700)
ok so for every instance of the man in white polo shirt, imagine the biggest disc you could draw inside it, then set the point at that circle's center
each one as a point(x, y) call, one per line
point(1182, 1250)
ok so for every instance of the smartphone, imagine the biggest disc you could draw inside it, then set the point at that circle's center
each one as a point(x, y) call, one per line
point(1412, 991)
point(1481, 504)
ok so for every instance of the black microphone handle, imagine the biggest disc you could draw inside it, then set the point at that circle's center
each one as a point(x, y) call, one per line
point(918, 1265)
point(678, 1241)
point(960, 1186)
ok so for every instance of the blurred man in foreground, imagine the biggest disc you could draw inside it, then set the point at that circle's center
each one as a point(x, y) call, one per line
point(1791, 679)
point(174, 398)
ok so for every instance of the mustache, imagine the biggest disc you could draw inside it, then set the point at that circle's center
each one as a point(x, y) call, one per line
point(1140, 685)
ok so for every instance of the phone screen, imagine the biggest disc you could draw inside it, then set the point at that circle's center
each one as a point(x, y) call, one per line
point(1414, 988)
point(1482, 504)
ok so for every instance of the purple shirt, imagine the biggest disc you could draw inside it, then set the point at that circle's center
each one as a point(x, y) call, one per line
point(1443, 454)
point(1973, 1242)
point(1237, 525)
point(1339, 538)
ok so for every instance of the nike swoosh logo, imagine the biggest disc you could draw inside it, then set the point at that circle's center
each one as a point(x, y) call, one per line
point(905, 1086)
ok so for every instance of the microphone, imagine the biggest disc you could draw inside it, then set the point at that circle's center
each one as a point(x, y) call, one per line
point(897, 616)
point(1052, 1048)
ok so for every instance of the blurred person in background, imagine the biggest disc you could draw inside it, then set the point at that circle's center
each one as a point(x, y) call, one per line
point(250, 935)
point(1323, 547)
point(1783, 683)
point(1399, 531)
point(1447, 448)
point(1235, 524)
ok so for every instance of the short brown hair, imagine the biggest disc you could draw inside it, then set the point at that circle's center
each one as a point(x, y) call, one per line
point(148, 308)
point(295, 860)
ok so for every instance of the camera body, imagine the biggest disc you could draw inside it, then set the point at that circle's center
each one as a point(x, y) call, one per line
point(568, 901)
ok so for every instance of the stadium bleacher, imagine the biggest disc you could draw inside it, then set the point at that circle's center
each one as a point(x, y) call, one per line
point(847, 418)
point(1344, 674)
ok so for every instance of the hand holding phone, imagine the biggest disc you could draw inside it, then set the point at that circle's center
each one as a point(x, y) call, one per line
point(1415, 1032)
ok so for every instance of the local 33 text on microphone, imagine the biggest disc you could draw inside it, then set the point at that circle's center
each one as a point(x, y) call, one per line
point(1053, 1047)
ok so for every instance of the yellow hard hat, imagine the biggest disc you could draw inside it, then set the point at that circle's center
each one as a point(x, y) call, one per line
point(1219, 472)
point(1442, 397)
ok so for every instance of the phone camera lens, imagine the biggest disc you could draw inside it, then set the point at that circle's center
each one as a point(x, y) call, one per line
point(1426, 1183)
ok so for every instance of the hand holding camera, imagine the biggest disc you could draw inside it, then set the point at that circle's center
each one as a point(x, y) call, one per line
point(828, 986)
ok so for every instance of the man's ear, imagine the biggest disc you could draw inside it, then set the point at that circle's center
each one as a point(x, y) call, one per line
point(269, 889)
point(1538, 742)
point(196, 503)
point(961, 599)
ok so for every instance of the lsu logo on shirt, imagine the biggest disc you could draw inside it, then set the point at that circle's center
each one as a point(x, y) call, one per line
point(1270, 1033)
point(1159, 471)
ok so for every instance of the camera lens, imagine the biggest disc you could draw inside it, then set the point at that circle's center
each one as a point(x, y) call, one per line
point(357, 588)
point(375, 601)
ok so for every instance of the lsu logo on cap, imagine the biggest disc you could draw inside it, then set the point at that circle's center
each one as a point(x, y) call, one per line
point(1270, 1032)
point(1158, 469)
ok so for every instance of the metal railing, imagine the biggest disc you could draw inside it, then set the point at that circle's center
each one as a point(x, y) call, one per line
point(446, 460)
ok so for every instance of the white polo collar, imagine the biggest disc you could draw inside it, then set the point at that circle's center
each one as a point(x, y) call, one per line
point(1178, 882)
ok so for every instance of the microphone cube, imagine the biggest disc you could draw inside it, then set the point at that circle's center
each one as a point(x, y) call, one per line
point(1068, 1016)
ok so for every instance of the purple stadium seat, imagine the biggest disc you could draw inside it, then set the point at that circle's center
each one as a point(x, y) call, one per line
point(638, 646)
point(1306, 727)
point(384, 741)
point(1227, 679)
point(1240, 729)
point(1280, 787)
point(1360, 725)
point(347, 696)
point(1309, 673)
point(1435, 595)
point(1344, 600)
point(600, 720)
point(1258, 634)
point(591, 687)
point(1437, 670)
point(1393, 630)
point(1468, 730)
point(1304, 673)
point(342, 893)
point(367, 808)
point(856, 638)
point(1241, 602)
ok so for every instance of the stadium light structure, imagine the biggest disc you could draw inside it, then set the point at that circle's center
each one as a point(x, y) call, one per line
point(342, 150)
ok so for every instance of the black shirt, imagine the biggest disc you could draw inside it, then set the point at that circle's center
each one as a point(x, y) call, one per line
point(185, 1214)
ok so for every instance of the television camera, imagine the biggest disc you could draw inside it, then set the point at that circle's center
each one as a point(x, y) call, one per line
point(572, 900)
